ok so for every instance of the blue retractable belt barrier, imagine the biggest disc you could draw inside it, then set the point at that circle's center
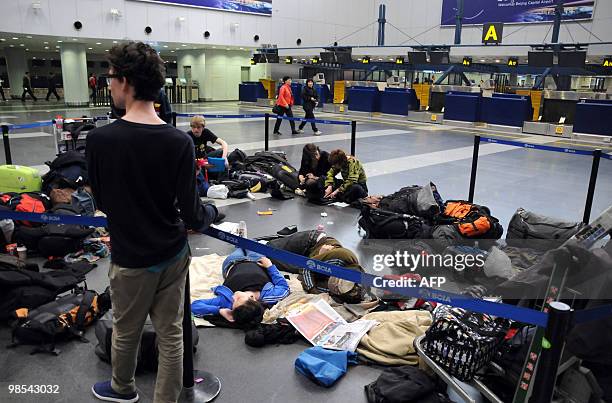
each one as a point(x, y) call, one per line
point(243, 116)
point(537, 146)
point(30, 125)
point(322, 121)
point(516, 313)
point(606, 156)
point(587, 315)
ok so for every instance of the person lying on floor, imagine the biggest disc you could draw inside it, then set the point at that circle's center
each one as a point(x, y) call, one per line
point(250, 283)
point(352, 186)
point(318, 245)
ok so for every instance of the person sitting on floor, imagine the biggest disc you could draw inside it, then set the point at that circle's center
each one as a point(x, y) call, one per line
point(251, 281)
point(352, 186)
point(313, 172)
point(201, 136)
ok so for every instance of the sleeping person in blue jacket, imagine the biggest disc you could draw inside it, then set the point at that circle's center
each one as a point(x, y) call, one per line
point(251, 281)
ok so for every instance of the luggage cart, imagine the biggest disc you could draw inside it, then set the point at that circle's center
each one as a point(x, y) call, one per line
point(63, 133)
point(451, 381)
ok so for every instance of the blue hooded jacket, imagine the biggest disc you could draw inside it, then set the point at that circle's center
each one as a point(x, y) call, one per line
point(270, 294)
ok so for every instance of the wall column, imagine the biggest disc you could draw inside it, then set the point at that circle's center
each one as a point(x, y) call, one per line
point(74, 74)
point(16, 66)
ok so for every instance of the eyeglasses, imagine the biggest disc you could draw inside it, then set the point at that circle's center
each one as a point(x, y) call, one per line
point(109, 76)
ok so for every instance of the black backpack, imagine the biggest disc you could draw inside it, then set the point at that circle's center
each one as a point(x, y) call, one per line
point(147, 354)
point(381, 224)
point(59, 320)
point(238, 189)
point(21, 288)
point(68, 170)
point(236, 159)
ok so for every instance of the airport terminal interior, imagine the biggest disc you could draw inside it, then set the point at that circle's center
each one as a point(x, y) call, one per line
point(447, 128)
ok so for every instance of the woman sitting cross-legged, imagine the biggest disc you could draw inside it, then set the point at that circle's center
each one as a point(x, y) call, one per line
point(250, 283)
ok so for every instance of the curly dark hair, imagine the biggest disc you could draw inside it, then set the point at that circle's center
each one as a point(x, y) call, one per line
point(249, 314)
point(141, 66)
point(337, 157)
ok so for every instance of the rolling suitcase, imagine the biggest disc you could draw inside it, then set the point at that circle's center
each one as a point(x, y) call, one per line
point(19, 179)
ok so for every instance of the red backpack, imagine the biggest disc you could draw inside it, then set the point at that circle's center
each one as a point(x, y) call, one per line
point(32, 202)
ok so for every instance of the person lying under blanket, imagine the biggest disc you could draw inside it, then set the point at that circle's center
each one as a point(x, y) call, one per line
point(251, 282)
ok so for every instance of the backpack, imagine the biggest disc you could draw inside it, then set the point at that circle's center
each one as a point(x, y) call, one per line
point(471, 220)
point(528, 225)
point(286, 174)
point(54, 239)
point(21, 288)
point(60, 320)
point(381, 224)
point(83, 202)
point(422, 201)
point(258, 182)
point(30, 202)
point(402, 384)
point(238, 189)
point(236, 158)
point(68, 170)
point(148, 352)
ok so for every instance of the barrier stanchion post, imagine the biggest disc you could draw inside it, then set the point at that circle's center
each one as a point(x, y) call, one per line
point(353, 136)
point(7, 144)
point(198, 386)
point(474, 168)
point(592, 182)
point(267, 132)
point(174, 119)
point(559, 318)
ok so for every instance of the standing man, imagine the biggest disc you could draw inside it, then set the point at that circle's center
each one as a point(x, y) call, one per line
point(27, 88)
point(142, 173)
point(283, 104)
point(52, 86)
point(93, 83)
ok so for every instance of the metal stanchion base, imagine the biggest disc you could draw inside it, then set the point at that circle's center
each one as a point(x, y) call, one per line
point(205, 390)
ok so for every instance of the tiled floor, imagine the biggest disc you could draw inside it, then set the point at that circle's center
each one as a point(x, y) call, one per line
point(395, 155)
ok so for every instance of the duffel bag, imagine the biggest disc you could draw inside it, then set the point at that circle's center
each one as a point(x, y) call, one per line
point(525, 224)
point(381, 224)
point(258, 182)
point(471, 220)
point(238, 189)
point(148, 353)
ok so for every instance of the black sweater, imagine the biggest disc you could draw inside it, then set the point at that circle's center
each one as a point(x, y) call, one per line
point(321, 169)
point(139, 175)
point(307, 95)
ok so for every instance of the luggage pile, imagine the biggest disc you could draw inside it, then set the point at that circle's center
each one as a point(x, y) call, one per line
point(265, 171)
point(63, 190)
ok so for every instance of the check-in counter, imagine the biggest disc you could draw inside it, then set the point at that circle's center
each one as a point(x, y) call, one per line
point(462, 106)
point(250, 91)
point(364, 99)
point(437, 96)
point(398, 101)
point(593, 118)
point(562, 104)
point(507, 110)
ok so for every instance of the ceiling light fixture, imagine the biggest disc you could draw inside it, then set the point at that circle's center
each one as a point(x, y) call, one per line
point(12, 46)
point(59, 41)
point(172, 51)
point(46, 43)
point(56, 46)
point(21, 44)
point(90, 48)
point(74, 39)
point(114, 41)
point(27, 50)
point(15, 38)
point(98, 43)
point(29, 36)
point(46, 47)
point(183, 45)
point(165, 46)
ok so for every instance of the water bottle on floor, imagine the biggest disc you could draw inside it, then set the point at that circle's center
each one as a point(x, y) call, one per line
point(242, 229)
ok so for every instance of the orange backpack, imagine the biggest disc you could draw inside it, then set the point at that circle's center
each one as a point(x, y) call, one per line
point(471, 220)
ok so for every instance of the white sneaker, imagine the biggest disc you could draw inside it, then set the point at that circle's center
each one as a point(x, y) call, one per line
point(300, 192)
point(318, 133)
point(300, 131)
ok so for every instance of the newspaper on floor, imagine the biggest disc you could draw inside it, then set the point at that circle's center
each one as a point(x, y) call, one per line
point(322, 326)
